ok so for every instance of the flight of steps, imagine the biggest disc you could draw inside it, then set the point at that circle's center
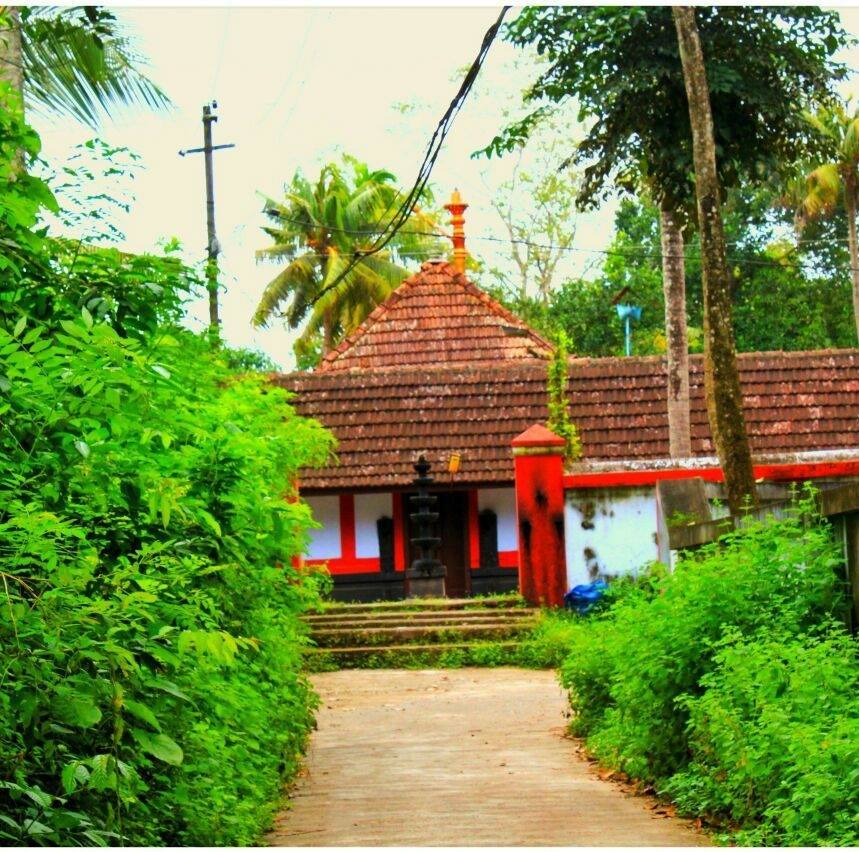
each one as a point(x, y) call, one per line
point(418, 633)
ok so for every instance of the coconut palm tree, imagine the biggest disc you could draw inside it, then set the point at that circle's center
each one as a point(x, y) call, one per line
point(317, 229)
point(76, 61)
point(837, 179)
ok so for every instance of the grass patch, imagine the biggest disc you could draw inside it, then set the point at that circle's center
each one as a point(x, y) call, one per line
point(506, 599)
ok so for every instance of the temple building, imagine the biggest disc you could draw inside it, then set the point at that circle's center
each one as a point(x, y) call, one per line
point(442, 369)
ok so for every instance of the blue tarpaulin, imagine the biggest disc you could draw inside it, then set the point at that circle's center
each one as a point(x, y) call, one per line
point(582, 598)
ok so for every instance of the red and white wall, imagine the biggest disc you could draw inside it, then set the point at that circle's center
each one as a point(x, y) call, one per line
point(602, 520)
point(348, 542)
point(612, 518)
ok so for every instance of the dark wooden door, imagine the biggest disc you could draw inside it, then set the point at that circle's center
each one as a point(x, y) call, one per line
point(452, 507)
point(453, 529)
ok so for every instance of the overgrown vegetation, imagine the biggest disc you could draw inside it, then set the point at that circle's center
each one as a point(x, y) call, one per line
point(730, 684)
point(150, 687)
point(809, 281)
point(557, 380)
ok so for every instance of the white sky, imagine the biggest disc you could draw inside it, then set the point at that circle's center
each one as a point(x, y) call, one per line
point(294, 87)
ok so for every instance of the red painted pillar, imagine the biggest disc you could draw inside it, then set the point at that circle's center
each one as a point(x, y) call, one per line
point(473, 530)
point(347, 527)
point(399, 532)
point(538, 459)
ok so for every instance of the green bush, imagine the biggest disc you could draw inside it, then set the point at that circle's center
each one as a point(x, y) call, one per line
point(548, 644)
point(629, 666)
point(775, 741)
point(150, 684)
point(151, 635)
point(732, 685)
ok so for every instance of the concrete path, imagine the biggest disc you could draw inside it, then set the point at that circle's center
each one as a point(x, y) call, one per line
point(471, 757)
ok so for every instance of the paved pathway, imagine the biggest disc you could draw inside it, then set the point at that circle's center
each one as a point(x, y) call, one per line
point(472, 757)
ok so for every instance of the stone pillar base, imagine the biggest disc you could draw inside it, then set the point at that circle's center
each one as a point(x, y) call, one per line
point(426, 587)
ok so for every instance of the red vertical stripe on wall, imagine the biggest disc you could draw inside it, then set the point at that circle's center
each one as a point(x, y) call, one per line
point(347, 526)
point(399, 533)
point(473, 530)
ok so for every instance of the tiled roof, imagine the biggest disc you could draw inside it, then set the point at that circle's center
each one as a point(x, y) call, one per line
point(437, 317)
point(794, 401)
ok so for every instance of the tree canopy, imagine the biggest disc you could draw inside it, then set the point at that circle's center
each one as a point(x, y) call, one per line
point(808, 281)
point(149, 626)
point(316, 231)
point(622, 66)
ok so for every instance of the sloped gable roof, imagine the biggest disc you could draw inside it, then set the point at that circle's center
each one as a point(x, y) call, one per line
point(794, 402)
point(437, 317)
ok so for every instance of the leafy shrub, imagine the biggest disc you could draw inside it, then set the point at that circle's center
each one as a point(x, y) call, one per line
point(151, 633)
point(775, 741)
point(629, 666)
point(150, 684)
point(548, 644)
point(732, 685)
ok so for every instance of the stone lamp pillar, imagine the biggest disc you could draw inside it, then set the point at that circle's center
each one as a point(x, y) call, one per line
point(426, 574)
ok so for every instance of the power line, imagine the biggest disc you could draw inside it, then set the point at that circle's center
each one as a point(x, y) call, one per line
point(406, 209)
point(637, 253)
point(299, 55)
point(216, 74)
point(364, 232)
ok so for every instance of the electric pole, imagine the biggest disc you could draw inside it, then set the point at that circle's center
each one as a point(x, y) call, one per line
point(214, 247)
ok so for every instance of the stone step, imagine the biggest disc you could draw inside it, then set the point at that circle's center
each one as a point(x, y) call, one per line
point(499, 601)
point(412, 656)
point(330, 637)
point(381, 619)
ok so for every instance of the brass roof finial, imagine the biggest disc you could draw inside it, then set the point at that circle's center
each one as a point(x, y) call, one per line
point(456, 208)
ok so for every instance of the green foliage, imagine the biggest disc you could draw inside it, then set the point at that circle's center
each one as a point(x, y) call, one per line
point(316, 231)
point(721, 681)
point(652, 649)
point(548, 644)
point(249, 360)
point(622, 66)
point(150, 686)
point(559, 411)
point(809, 281)
point(80, 61)
point(774, 740)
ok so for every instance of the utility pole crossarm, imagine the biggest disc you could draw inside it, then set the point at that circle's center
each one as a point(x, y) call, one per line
point(202, 150)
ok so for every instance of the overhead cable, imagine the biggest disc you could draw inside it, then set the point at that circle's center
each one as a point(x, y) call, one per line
point(407, 206)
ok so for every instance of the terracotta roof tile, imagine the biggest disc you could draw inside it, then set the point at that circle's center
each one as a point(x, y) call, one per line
point(437, 316)
point(795, 401)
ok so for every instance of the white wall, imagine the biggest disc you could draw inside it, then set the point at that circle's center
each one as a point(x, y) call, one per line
point(618, 536)
point(502, 501)
point(368, 509)
point(325, 541)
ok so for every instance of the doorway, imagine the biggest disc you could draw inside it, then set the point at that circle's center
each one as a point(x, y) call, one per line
point(452, 507)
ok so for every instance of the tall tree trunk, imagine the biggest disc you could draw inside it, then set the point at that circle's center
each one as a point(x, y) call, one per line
point(850, 205)
point(674, 289)
point(721, 377)
point(11, 59)
point(327, 334)
point(12, 67)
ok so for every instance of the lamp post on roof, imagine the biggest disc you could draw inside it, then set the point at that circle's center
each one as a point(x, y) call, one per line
point(627, 314)
point(456, 207)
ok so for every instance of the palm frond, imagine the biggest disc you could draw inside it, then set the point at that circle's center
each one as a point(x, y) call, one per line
point(336, 217)
point(83, 68)
point(299, 281)
point(824, 185)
